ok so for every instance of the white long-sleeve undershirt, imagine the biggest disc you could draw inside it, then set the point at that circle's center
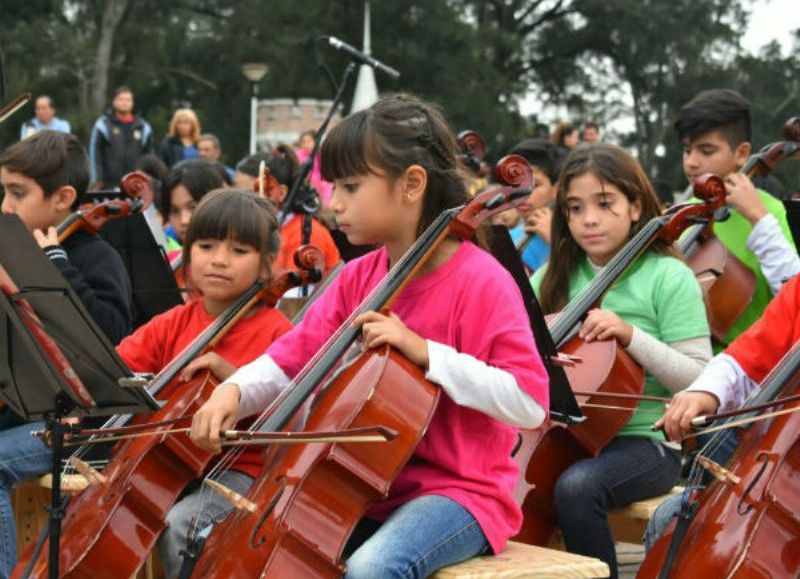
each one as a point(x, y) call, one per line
point(778, 259)
point(466, 380)
point(724, 378)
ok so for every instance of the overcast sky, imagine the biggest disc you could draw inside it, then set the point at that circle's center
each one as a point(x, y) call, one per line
point(769, 20)
point(772, 20)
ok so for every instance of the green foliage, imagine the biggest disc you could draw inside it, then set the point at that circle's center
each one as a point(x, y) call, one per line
point(598, 59)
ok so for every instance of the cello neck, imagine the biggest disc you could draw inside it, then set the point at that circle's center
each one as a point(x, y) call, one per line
point(564, 327)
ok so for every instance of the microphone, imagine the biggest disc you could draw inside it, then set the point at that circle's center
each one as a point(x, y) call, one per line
point(359, 56)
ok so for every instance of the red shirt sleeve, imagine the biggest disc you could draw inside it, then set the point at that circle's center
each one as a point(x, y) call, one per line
point(762, 345)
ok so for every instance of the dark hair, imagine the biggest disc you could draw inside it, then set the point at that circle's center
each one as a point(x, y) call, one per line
point(198, 176)
point(121, 89)
point(541, 153)
point(52, 159)
point(234, 214)
point(153, 165)
point(561, 132)
point(591, 125)
point(722, 110)
point(610, 164)
point(396, 132)
point(211, 137)
point(282, 163)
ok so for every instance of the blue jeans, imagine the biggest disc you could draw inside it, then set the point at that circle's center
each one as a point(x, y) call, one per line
point(417, 540)
point(671, 507)
point(22, 457)
point(196, 510)
point(630, 468)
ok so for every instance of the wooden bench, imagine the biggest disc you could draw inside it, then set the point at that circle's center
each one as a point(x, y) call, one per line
point(30, 500)
point(521, 561)
point(628, 523)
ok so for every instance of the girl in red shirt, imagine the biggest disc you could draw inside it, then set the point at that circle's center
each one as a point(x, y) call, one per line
point(230, 243)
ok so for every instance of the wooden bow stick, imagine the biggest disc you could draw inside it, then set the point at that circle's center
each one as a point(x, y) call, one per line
point(14, 105)
point(246, 437)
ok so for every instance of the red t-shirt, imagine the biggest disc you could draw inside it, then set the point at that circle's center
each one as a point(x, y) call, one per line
point(760, 348)
point(292, 237)
point(156, 343)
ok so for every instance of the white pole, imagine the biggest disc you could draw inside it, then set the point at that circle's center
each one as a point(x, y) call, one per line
point(253, 113)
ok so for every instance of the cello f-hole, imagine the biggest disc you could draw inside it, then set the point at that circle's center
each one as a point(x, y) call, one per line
point(743, 508)
point(265, 514)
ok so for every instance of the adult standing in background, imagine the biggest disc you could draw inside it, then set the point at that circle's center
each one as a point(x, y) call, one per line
point(182, 138)
point(565, 137)
point(45, 119)
point(591, 133)
point(210, 149)
point(119, 137)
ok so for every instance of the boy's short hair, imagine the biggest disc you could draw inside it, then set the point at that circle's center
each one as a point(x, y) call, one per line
point(721, 110)
point(542, 154)
point(51, 158)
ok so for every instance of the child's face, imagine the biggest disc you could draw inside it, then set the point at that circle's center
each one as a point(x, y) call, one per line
point(599, 217)
point(369, 209)
point(181, 208)
point(509, 218)
point(222, 270)
point(711, 153)
point(542, 192)
point(307, 142)
point(25, 198)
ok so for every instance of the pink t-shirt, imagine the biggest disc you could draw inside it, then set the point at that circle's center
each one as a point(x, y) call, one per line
point(473, 305)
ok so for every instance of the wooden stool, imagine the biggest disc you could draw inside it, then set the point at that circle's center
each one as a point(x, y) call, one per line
point(30, 500)
point(520, 561)
point(629, 523)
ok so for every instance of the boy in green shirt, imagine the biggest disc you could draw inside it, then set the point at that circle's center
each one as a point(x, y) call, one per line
point(714, 129)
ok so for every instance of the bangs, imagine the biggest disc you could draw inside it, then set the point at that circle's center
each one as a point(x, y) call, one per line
point(343, 151)
point(227, 214)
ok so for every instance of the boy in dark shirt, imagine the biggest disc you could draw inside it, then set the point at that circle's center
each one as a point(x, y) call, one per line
point(42, 177)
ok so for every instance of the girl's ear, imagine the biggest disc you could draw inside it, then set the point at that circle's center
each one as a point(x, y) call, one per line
point(64, 197)
point(414, 181)
point(636, 210)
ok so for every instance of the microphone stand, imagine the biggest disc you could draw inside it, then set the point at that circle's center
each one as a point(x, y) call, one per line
point(305, 168)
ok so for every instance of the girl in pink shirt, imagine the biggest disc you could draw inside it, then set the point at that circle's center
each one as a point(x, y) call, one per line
point(461, 318)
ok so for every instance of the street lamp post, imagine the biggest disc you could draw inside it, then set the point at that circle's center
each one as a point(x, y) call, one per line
point(254, 72)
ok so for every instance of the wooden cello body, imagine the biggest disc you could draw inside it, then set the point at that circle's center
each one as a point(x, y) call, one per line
point(747, 522)
point(602, 368)
point(308, 502)
point(316, 493)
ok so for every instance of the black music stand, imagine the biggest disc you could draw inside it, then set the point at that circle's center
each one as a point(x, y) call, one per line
point(563, 406)
point(42, 320)
point(154, 287)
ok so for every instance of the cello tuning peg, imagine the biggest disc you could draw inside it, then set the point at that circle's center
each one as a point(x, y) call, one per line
point(718, 471)
point(234, 498)
point(92, 475)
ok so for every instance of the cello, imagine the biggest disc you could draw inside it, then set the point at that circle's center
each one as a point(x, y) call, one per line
point(90, 218)
point(729, 284)
point(747, 522)
point(306, 504)
point(111, 527)
point(597, 371)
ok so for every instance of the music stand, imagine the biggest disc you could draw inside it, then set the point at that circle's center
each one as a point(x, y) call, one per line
point(55, 360)
point(563, 406)
point(154, 287)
